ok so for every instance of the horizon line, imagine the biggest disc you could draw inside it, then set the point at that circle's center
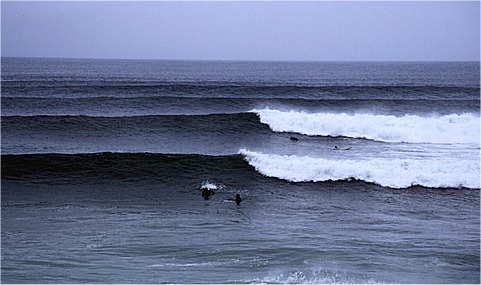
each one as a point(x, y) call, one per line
point(229, 60)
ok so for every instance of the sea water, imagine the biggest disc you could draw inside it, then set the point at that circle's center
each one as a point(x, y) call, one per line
point(104, 161)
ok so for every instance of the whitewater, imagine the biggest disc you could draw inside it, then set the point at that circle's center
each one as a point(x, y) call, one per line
point(411, 150)
point(453, 128)
point(394, 173)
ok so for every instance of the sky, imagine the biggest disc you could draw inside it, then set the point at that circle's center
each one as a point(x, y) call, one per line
point(285, 31)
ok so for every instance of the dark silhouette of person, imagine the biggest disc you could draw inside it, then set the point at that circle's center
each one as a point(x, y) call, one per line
point(238, 199)
point(206, 193)
point(293, 139)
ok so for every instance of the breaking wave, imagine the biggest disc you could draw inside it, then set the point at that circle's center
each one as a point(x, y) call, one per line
point(393, 173)
point(453, 128)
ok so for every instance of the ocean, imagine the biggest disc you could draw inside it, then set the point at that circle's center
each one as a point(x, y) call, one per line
point(349, 172)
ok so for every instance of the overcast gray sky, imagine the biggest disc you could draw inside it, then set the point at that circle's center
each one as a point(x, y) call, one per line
point(243, 30)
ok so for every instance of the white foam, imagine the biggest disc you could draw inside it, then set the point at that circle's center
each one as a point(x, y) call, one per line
point(211, 186)
point(394, 173)
point(454, 128)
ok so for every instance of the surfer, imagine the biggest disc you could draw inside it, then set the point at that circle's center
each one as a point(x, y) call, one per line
point(206, 193)
point(336, 148)
point(294, 139)
point(238, 199)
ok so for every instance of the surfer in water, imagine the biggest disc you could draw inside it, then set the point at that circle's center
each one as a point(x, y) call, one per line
point(336, 148)
point(294, 139)
point(206, 193)
point(238, 199)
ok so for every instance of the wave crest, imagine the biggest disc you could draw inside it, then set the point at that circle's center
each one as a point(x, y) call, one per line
point(393, 173)
point(454, 128)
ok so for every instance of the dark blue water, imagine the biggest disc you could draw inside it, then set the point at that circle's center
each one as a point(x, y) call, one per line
point(104, 161)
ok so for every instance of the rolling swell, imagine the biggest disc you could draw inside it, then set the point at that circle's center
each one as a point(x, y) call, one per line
point(89, 88)
point(215, 134)
point(93, 87)
point(163, 105)
point(224, 123)
point(129, 167)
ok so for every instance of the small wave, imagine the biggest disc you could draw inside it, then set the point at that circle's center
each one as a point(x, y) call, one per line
point(393, 173)
point(94, 87)
point(453, 128)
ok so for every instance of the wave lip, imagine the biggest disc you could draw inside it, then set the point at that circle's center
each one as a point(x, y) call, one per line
point(454, 128)
point(393, 173)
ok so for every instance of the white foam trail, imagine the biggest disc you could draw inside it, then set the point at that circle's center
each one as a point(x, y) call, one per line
point(394, 173)
point(454, 128)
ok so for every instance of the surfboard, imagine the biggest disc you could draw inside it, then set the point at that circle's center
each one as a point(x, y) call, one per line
point(347, 148)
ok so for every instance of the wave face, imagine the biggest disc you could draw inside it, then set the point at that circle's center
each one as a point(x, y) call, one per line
point(394, 173)
point(454, 128)
point(215, 134)
point(133, 167)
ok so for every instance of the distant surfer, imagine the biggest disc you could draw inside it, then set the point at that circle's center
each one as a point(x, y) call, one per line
point(336, 148)
point(237, 199)
point(206, 193)
point(294, 139)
